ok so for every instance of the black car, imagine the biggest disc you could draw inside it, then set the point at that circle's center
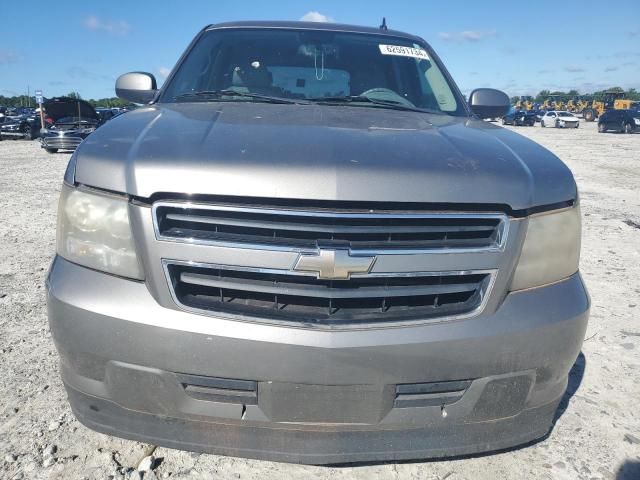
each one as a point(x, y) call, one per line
point(70, 121)
point(626, 121)
point(519, 118)
point(24, 126)
point(105, 114)
point(538, 113)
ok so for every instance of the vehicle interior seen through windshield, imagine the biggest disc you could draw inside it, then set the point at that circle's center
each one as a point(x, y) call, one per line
point(322, 66)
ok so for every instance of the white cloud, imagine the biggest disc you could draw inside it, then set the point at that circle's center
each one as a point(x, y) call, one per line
point(314, 16)
point(467, 35)
point(118, 27)
point(163, 72)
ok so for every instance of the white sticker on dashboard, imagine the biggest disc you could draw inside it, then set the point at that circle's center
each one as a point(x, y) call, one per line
point(401, 51)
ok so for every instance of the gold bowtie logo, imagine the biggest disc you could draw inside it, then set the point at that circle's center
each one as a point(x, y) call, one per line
point(333, 264)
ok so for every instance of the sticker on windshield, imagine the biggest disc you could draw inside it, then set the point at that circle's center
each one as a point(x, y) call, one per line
point(403, 51)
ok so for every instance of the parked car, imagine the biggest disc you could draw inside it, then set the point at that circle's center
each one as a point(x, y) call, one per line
point(106, 113)
point(23, 126)
point(627, 121)
point(559, 119)
point(72, 121)
point(519, 118)
point(308, 247)
point(539, 114)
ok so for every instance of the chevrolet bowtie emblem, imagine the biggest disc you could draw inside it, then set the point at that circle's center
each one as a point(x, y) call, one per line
point(333, 264)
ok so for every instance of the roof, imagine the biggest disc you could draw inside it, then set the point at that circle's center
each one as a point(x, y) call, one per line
point(334, 27)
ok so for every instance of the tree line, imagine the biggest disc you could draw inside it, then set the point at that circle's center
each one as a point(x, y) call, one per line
point(26, 101)
point(631, 94)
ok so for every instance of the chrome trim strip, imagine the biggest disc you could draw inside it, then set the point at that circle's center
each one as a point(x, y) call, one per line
point(502, 228)
point(485, 295)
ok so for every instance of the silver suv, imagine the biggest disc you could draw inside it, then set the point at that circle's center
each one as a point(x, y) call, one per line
point(308, 247)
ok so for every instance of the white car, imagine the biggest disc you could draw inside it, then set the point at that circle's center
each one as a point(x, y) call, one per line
point(559, 118)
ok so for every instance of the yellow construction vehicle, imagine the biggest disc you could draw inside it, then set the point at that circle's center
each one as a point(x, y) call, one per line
point(552, 102)
point(610, 100)
point(576, 104)
point(524, 103)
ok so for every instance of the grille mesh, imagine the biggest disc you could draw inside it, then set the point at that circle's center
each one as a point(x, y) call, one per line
point(311, 229)
point(306, 299)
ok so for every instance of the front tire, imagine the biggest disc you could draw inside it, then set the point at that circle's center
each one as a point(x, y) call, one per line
point(51, 150)
point(628, 128)
point(589, 115)
point(27, 133)
point(601, 128)
point(542, 123)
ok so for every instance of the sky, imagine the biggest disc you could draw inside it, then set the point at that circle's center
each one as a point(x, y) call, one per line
point(521, 47)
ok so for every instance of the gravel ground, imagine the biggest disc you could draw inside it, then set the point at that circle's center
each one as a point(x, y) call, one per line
point(596, 437)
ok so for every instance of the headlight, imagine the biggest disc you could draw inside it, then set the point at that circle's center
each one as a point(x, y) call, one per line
point(551, 249)
point(94, 231)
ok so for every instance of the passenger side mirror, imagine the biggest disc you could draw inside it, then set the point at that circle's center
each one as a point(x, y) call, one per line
point(136, 87)
point(489, 103)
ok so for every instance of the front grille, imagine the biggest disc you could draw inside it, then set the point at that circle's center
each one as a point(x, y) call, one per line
point(63, 142)
point(315, 228)
point(301, 298)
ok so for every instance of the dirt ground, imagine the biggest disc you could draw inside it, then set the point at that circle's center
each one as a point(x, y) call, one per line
point(596, 437)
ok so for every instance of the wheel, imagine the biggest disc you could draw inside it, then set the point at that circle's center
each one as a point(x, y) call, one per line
point(51, 150)
point(577, 125)
point(589, 115)
point(26, 131)
point(542, 123)
point(504, 122)
point(557, 125)
point(628, 128)
point(601, 128)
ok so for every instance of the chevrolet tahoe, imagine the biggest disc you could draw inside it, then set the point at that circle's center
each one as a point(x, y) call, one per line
point(308, 246)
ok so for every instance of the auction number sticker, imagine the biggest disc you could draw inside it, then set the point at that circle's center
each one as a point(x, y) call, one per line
point(401, 51)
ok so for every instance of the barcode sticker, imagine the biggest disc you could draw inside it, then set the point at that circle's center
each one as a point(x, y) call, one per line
point(404, 51)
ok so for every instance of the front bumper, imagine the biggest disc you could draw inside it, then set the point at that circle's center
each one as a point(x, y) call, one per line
point(319, 396)
point(12, 133)
point(61, 141)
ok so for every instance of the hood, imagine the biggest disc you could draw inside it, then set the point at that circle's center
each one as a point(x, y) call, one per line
point(62, 107)
point(320, 153)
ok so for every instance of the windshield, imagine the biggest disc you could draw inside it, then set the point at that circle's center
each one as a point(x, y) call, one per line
point(310, 65)
point(565, 114)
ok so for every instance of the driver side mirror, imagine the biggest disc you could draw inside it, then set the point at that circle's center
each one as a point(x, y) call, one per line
point(136, 87)
point(489, 103)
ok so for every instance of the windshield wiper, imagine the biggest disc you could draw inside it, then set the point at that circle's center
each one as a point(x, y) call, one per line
point(218, 94)
point(376, 101)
